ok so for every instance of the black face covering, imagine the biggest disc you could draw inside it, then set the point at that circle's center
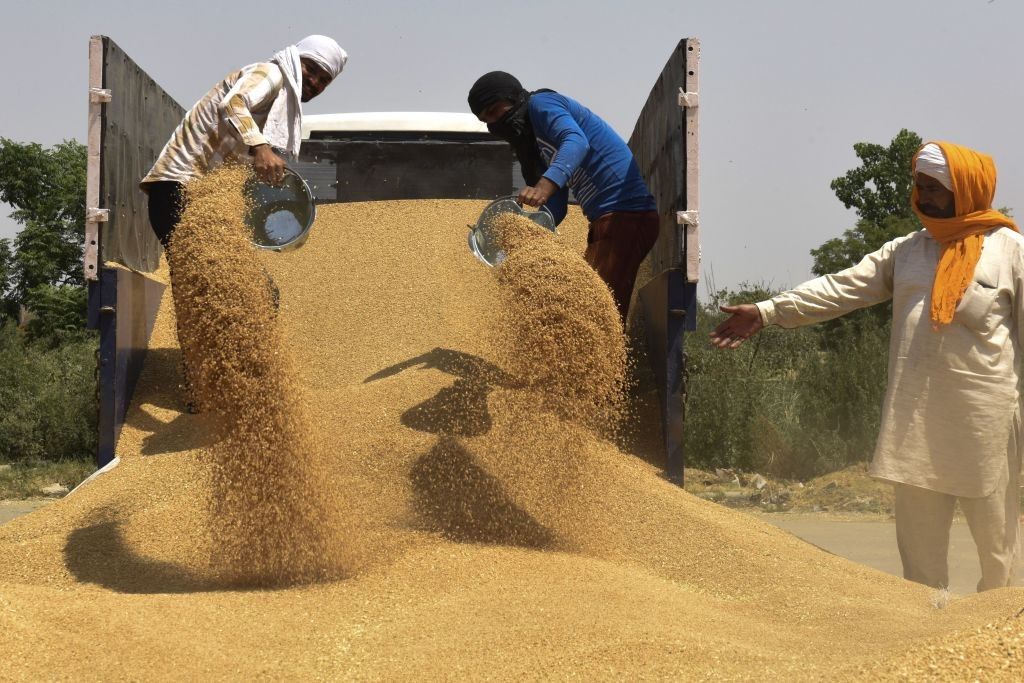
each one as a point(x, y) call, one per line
point(515, 123)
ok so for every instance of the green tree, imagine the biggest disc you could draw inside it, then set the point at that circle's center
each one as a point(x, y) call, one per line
point(47, 397)
point(47, 188)
point(8, 308)
point(879, 191)
point(880, 187)
point(856, 243)
point(57, 314)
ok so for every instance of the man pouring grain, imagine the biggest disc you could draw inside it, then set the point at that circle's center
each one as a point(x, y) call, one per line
point(951, 421)
point(250, 112)
point(562, 145)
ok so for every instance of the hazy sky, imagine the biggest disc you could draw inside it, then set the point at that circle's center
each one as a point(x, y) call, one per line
point(787, 86)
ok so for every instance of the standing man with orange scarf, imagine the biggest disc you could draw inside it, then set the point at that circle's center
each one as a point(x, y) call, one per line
point(951, 421)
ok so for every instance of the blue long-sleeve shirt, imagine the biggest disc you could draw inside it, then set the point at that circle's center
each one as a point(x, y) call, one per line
point(584, 153)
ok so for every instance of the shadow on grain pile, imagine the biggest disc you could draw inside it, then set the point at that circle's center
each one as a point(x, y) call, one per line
point(182, 433)
point(559, 367)
point(457, 497)
point(460, 409)
point(98, 553)
point(452, 494)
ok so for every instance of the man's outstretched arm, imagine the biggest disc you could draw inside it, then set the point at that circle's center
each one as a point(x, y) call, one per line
point(824, 298)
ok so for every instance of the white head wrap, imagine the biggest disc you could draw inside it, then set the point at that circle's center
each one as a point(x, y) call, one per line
point(932, 162)
point(283, 128)
point(325, 52)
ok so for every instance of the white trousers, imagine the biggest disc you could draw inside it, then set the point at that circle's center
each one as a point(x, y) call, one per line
point(924, 518)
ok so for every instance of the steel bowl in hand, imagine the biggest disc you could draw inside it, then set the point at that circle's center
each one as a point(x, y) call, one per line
point(483, 242)
point(280, 216)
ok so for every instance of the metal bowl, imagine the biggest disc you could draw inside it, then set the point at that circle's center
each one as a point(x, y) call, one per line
point(280, 216)
point(482, 241)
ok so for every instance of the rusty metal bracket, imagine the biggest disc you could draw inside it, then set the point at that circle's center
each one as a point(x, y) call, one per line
point(688, 218)
point(94, 215)
point(100, 95)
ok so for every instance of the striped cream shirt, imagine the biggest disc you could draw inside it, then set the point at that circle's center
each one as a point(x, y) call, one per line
point(953, 395)
point(221, 126)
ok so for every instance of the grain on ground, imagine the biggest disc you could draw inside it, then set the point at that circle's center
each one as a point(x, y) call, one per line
point(630, 577)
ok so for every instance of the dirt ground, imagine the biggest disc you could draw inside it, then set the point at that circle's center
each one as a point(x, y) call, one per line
point(846, 492)
point(9, 509)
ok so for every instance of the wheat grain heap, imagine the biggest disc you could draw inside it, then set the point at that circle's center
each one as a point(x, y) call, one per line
point(479, 526)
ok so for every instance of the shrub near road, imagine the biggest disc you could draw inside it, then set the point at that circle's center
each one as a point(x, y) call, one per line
point(47, 398)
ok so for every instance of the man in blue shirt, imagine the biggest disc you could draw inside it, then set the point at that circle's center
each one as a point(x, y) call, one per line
point(562, 145)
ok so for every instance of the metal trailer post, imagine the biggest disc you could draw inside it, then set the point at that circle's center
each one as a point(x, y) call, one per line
point(684, 297)
point(102, 291)
point(665, 145)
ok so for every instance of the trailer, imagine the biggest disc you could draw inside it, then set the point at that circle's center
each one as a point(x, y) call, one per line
point(366, 157)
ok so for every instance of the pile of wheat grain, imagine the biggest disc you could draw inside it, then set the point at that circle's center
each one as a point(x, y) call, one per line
point(481, 540)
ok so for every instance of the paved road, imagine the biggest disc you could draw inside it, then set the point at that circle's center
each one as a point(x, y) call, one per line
point(874, 543)
point(9, 509)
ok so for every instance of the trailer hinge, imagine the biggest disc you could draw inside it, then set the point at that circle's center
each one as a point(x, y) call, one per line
point(687, 99)
point(688, 218)
point(99, 95)
point(94, 215)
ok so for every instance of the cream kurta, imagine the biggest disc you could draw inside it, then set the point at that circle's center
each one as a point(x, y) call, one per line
point(952, 394)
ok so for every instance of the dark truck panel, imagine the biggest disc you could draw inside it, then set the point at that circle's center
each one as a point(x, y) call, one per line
point(369, 166)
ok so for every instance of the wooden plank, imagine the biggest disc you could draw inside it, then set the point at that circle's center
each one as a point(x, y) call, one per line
point(657, 144)
point(137, 123)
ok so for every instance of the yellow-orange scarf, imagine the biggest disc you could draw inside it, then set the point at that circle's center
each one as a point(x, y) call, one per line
point(973, 177)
